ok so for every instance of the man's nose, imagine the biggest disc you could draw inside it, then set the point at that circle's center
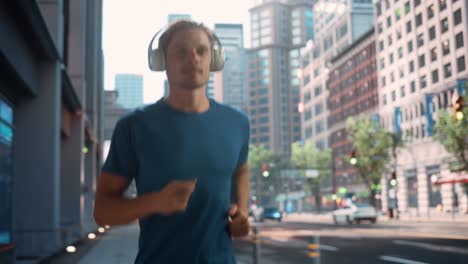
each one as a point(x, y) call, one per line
point(194, 55)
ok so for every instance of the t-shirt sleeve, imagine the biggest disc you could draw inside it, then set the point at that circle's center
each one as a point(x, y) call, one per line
point(244, 152)
point(122, 159)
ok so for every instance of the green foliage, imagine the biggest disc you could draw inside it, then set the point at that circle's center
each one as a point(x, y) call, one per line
point(309, 157)
point(259, 155)
point(372, 144)
point(453, 135)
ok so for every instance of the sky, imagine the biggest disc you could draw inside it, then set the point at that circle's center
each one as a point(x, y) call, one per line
point(128, 26)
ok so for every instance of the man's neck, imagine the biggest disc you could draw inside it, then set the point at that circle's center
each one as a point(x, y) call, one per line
point(184, 100)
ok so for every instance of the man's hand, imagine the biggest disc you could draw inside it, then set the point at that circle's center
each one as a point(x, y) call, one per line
point(174, 197)
point(239, 223)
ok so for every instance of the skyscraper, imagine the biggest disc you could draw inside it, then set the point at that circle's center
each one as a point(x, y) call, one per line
point(229, 85)
point(279, 29)
point(337, 24)
point(130, 89)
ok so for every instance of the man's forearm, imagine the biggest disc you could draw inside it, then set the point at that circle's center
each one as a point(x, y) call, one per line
point(118, 210)
point(242, 188)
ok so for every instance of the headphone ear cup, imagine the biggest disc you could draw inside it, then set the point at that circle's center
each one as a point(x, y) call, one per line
point(156, 60)
point(217, 59)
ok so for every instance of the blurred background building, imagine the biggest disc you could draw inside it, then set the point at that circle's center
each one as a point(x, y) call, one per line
point(230, 84)
point(279, 29)
point(130, 89)
point(421, 61)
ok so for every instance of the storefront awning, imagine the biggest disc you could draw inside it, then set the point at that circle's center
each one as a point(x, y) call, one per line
point(454, 177)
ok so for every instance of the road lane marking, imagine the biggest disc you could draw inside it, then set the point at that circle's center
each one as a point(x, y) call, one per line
point(433, 247)
point(328, 248)
point(313, 246)
point(400, 260)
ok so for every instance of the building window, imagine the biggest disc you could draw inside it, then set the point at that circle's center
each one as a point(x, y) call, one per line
point(391, 58)
point(6, 172)
point(418, 20)
point(381, 45)
point(461, 66)
point(317, 90)
point(390, 40)
point(393, 96)
point(421, 61)
point(397, 14)
point(407, 7)
point(432, 33)
point(457, 17)
point(459, 40)
point(392, 77)
point(411, 66)
point(389, 21)
point(413, 86)
point(384, 82)
point(384, 99)
point(408, 27)
point(400, 52)
point(430, 12)
point(382, 63)
point(444, 25)
point(435, 76)
point(442, 5)
point(402, 91)
point(433, 54)
point(398, 34)
point(410, 46)
point(447, 70)
point(420, 40)
point(422, 82)
point(445, 47)
point(417, 2)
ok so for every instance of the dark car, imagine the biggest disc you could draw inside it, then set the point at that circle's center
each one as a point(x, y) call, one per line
point(271, 213)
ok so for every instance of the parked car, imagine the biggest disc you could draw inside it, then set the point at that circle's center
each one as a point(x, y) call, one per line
point(271, 213)
point(355, 212)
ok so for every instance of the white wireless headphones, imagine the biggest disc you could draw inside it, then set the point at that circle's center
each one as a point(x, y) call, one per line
point(156, 58)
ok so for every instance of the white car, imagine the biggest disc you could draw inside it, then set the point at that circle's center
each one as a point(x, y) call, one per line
point(355, 212)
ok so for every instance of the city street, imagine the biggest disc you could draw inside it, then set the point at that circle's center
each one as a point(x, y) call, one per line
point(388, 241)
point(385, 242)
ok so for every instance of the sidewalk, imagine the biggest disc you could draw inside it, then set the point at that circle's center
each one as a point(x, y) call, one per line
point(119, 245)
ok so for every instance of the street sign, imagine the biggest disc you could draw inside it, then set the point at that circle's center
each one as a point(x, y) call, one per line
point(311, 173)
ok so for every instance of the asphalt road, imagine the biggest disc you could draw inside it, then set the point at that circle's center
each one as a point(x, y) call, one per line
point(389, 242)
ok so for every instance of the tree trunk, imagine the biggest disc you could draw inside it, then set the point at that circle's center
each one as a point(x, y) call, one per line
point(318, 201)
point(372, 198)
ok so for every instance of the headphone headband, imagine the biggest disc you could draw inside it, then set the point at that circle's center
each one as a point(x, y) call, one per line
point(156, 57)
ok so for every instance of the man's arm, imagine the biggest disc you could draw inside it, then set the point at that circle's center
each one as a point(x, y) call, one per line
point(112, 208)
point(241, 188)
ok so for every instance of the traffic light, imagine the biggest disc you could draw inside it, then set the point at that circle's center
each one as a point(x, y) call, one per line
point(266, 173)
point(458, 108)
point(352, 157)
point(393, 180)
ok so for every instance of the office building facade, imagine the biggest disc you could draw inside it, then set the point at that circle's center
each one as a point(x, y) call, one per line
point(421, 61)
point(337, 24)
point(130, 89)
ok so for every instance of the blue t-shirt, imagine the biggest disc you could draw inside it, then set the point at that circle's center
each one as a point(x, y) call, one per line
point(157, 144)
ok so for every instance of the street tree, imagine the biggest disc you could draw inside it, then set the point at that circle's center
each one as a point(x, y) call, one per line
point(452, 134)
point(371, 146)
point(259, 157)
point(308, 157)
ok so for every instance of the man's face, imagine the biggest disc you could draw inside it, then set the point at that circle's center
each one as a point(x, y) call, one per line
point(188, 59)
